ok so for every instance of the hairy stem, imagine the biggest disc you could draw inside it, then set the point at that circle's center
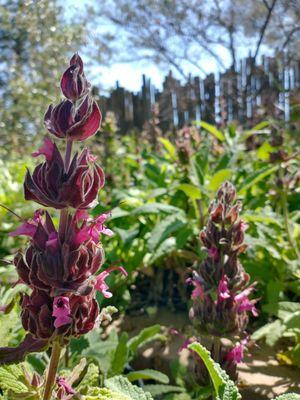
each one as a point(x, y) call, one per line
point(51, 374)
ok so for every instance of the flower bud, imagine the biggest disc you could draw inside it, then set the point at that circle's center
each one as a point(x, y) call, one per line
point(74, 84)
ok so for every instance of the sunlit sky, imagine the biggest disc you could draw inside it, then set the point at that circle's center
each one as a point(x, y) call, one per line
point(129, 75)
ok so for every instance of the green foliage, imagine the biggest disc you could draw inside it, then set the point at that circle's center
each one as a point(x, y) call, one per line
point(104, 394)
point(121, 385)
point(224, 388)
point(15, 383)
point(115, 352)
point(287, 325)
point(34, 47)
point(147, 374)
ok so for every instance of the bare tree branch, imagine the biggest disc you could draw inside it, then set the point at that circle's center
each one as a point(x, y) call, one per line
point(263, 29)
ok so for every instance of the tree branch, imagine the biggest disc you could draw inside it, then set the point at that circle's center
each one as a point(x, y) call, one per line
point(263, 29)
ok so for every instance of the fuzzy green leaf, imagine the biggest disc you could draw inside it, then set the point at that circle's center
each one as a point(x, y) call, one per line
point(157, 390)
point(120, 384)
point(225, 389)
point(147, 374)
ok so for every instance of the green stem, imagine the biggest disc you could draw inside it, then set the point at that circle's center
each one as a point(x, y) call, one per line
point(51, 375)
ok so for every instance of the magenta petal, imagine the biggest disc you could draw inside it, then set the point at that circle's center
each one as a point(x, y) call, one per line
point(46, 150)
point(61, 382)
point(52, 242)
point(100, 280)
point(26, 229)
point(60, 321)
point(61, 311)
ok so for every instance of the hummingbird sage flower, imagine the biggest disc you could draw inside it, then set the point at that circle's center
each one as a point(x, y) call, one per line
point(221, 295)
point(62, 264)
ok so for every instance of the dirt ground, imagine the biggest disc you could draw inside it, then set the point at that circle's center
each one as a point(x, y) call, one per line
point(261, 377)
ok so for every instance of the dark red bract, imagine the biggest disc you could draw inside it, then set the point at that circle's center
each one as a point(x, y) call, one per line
point(52, 186)
point(69, 121)
point(73, 83)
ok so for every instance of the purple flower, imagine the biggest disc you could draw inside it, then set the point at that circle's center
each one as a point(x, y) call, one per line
point(37, 314)
point(223, 291)
point(52, 186)
point(74, 84)
point(28, 228)
point(68, 121)
point(213, 253)
point(57, 263)
point(100, 283)
point(47, 150)
point(236, 354)
point(243, 302)
point(61, 311)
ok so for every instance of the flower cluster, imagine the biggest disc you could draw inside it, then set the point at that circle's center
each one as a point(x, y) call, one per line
point(221, 289)
point(60, 264)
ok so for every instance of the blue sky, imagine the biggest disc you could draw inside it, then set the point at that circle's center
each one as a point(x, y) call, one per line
point(129, 75)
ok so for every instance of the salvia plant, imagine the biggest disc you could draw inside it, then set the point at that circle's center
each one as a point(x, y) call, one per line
point(61, 263)
point(221, 289)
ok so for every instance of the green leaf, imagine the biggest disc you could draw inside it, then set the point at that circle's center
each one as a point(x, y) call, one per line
point(265, 218)
point(255, 177)
point(218, 178)
point(171, 149)
point(146, 374)
point(10, 378)
point(190, 190)
point(263, 152)
point(144, 336)
point(257, 129)
point(96, 393)
point(293, 321)
point(90, 379)
point(13, 380)
point(225, 389)
point(157, 390)
point(288, 396)
point(163, 229)
point(167, 247)
point(213, 130)
point(102, 351)
point(272, 332)
point(120, 356)
point(120, 384)
point(155, 208)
